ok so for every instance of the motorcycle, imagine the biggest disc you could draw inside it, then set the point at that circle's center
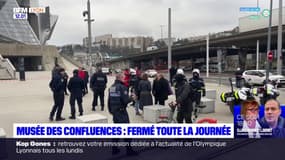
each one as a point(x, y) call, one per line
point(266, 92)
point(236, 97)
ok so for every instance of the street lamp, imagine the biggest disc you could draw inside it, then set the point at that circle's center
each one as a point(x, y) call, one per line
point(89, 20)
point(268, 64)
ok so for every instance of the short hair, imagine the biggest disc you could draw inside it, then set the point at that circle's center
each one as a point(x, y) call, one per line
point(75, 71)
point(246, 104)
point(144, 76)
point(61, 70)
point(119, 76)
point(275, 100)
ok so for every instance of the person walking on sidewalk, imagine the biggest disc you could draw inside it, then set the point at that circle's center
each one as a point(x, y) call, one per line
point(160, 89)
point(57, 87)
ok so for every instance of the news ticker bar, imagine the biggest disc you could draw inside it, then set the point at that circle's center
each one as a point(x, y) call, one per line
point(139, 130)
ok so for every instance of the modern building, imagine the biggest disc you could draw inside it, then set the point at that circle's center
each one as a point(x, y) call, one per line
point(35, 30)
point(25, 28)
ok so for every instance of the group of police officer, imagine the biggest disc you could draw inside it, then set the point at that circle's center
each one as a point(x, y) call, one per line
point(77, 88)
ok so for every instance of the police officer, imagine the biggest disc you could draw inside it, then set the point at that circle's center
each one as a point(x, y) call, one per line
point(198, 86)
point(118, 100)
point(57, 87)
point(182, 93)
point(238, 75)
point(76, 88)
point(98, 85)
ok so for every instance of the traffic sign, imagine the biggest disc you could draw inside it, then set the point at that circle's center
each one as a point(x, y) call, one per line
point(270, 56)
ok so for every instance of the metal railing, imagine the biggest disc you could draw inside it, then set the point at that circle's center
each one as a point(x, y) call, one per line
point(6, 63)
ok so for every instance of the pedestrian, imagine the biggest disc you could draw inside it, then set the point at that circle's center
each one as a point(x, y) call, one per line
point(118, 100)
point(55, 70)
point(138, 71)
point(65, 78)
point(155, 89)
point(160, 89)
point(86, 80)
point(57, 87)
point(98, 85)
point(172, 72)
point(136, 95)
point(183, 100)
point(144, 91)
point(127, 77)
point(76, 88)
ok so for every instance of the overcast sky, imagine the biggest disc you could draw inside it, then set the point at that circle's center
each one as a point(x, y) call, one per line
point(123, 18)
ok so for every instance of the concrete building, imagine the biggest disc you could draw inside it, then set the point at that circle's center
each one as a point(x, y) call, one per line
point(138, 42)
point(259, 21)
point(23, 34)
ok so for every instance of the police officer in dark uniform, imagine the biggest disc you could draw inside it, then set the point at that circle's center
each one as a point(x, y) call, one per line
point(118, 100)
point(182, 93)
point(238, 75)
point(76, 88)
point(98, 85)
point(198, 88)
point(57, 87)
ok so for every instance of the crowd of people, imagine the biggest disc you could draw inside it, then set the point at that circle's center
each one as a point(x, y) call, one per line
point(136, 85)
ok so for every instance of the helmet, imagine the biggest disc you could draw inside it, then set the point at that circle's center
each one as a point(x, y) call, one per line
point(180, 71)
point(196, 71)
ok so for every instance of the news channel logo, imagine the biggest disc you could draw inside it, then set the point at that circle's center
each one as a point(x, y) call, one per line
point(22, 13)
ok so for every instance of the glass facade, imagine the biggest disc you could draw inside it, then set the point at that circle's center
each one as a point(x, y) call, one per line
point(19, 30)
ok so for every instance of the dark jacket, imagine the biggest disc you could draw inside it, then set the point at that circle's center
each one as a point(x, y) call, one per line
point(238, 74)
point(198, 85)
point(144, 90)
point(160, 89)
point(86, 78)
point(57, 83)
point(279, 131)
point(76, 86)
point(98, 81)
point(182, 93)
point(118, 100)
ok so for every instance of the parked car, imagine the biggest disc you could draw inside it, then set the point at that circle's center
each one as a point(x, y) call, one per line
point(259, 76)
point(151, 72)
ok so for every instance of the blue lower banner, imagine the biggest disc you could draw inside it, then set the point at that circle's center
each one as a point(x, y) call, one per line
point(109, 149)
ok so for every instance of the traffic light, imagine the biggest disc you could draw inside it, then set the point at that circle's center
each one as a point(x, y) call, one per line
point(270, 56)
